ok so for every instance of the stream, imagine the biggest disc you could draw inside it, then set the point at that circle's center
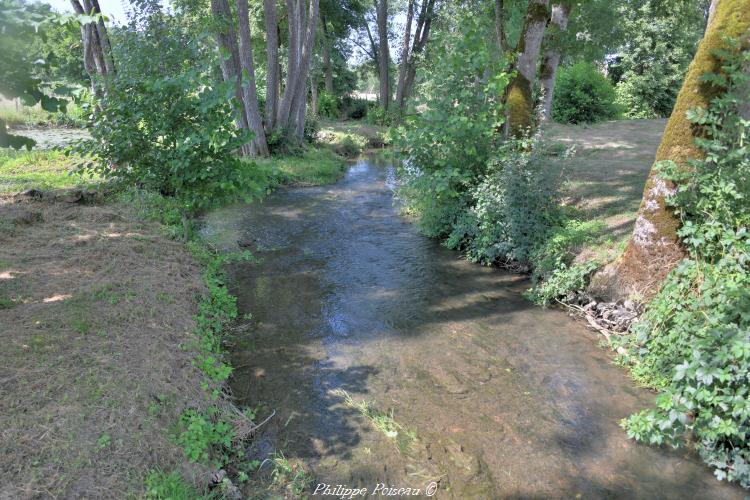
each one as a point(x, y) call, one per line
point(473, 387)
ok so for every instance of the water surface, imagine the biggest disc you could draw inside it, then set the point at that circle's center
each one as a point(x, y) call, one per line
point(505, 399)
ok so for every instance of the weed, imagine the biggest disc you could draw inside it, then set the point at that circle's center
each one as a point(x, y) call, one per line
point(382, 421)
point(163, 486)
point(293, 476)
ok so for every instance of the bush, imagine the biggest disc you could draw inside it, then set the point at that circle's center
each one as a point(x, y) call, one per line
point(328, 105)
point(694, 339)
point(354, 109)
point(186, 150)
point(583, 95)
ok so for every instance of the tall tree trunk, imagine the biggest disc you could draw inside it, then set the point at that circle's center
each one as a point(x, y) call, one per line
point(384, 58)
point(106, 46)
point(302, 29)
point(272, 59)
point(654, 248)
point(421, 35)
point(403, 64)
point(226, 38)
point(519, 101)
point(258, 145)
point(94, 58)
point(327, 65)
point(500, 36)
point(294, 20)
point(551, 57)
point(314, 95)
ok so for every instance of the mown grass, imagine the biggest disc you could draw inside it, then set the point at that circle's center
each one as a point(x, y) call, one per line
point(44, 170)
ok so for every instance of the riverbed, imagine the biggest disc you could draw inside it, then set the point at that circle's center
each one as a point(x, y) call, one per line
point(468, 386)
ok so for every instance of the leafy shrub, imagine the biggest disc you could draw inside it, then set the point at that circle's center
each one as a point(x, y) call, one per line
point(583, 95)
point(354, 109)
point(200, 432)
point(694, 339)
point(186, 150)
point(348, 147)
point(512, 208)
point(328, 105)
point(312, 127)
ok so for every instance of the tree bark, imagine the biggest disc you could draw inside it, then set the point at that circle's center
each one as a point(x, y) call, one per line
point(327, 66)
point(272, 59)
point(421, 35)
point(519, 101)
point(314, 96)
point(226, 38)
point(403, 64)
point(384, 56)
point(552, 54)
point(500, 35)
point(302, 29)
point(654, 248)
point(258, 145)
point(106, 46)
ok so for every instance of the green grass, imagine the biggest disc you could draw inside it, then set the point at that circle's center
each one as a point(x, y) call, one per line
point(35, 116)
point(44, 170)
point(314, 167)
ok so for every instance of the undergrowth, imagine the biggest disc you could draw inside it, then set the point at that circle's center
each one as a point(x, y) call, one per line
point(693, 342)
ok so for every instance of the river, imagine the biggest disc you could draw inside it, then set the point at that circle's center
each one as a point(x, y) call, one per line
point(483, 393)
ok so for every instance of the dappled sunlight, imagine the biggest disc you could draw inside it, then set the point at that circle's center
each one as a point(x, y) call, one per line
point(57, 298)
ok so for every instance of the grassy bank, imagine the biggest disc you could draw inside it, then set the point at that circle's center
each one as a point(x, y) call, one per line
point(113, 359)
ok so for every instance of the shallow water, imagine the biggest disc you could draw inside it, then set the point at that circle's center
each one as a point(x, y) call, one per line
point(505, 399)
point(52, 137)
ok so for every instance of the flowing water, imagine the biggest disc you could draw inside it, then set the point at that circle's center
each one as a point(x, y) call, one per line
point(483, 394)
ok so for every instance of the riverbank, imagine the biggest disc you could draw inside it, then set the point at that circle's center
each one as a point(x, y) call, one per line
point(110, 374)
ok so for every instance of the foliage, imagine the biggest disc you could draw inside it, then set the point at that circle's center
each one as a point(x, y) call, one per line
point(296, 479)
point(20, 24)
point(512, 208)
point(583, 95)
point(448, 146)
point(694, 340)
point(185, 151)
point(661, 40)
point(328, 105)
point(200, 432)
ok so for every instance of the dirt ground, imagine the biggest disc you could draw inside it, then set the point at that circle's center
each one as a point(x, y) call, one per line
point(96, 312)
point(606, 176)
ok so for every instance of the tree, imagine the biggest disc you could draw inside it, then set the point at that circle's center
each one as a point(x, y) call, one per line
point(408, 66)
point(552, 53)
point(654, 247)
point(97, 50)
point(249, 90)
point(519, 100)
point(272, 63)
point(660, 41)
point(384, 54)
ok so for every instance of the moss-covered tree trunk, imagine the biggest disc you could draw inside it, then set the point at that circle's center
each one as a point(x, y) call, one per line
point(518, 100)
point(654, 248)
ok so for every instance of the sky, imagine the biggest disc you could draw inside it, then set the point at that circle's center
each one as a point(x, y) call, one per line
point(113, 9)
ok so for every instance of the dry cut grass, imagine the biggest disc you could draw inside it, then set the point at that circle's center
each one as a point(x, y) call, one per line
point(95, 326)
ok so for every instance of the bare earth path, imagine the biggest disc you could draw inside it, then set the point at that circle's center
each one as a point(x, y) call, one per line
point(475, 389)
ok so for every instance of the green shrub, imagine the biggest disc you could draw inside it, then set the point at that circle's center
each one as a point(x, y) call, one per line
point(583, 95)
point(200, 432)
point(694, 339)
point(328, 105)
point(186, 151)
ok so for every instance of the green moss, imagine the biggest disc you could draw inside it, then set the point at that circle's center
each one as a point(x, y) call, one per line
point(519, 102)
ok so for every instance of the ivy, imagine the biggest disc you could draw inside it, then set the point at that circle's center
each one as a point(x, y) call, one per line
point(694, 340)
